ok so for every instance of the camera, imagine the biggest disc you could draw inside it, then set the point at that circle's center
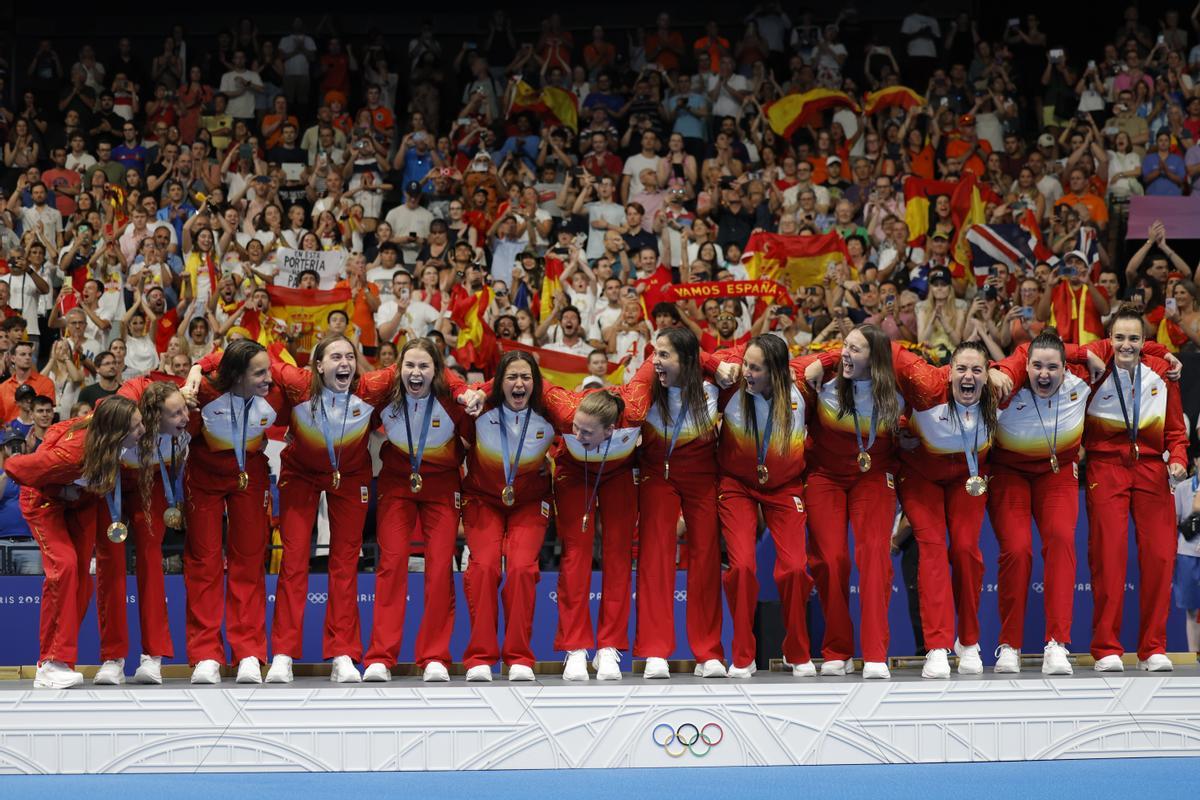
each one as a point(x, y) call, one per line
point(989, 293)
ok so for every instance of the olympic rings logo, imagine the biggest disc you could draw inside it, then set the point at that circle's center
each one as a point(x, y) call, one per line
point(687, 738)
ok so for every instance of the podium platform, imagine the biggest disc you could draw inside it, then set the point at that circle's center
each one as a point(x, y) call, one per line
point(770, 720)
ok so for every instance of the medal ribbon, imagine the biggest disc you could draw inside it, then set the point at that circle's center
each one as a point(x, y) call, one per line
point(599, 474)
point(173, 486)
point(971, 449)
point(761, 442)
point(1057, 408)
point(414, 458)
point(335, 455)
point(858, 431)
point(510, 468)
point(1135, 393)
point(675, 431)
point(113, 499)
point(239, 445)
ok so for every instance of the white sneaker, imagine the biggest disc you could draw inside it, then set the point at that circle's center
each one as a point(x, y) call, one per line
point(280, 671)
point(1054, 660)
point(480, 673)
point(520, 672)
point(1111, 663)
point(207, 671)
point(656, 668)
point(377, 672)
point(111, 673)
point(836, 666)
point(1157, 662)
point(743, 672)
point(1008, 660)
point(607, 663)
point(250, 670)
point(344, 671)
point(969, 662)
point(56, 675)
point(149, 670)
point(876, 670)
point(806, 670)
point(937, 665)
point(711, 669)
point(575, 666)
point(435, 672)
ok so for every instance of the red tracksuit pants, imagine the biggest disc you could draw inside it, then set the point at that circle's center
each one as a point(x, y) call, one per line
point(502, 540)
point(660, 502)
point(147, 531)
point(948, 580)
point(1113, 492)
point(67, 536)
point(400, 517)
point(617, 515)
point(243, 605)
point(783, 511)
point(1015, 499)
point(299, 498)
point(867, 505)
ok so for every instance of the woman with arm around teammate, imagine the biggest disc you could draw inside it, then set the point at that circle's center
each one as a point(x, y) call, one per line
point(76, 469)
point(227, 471)
point(419, 487)
point(506, 507)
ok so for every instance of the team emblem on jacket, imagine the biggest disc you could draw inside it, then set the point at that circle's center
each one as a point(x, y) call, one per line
point(540, 435)
point(1154, 391)
point(545, 509)
point(436, 423)
point(364, 494)
point(799, 504)
point(357, 412)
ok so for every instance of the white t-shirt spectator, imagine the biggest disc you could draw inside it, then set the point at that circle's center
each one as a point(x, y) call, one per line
point(24, 296)
point(405, 220)
point(418, 319)
point(726, 105)
point(922, 46)
point(140, 355)
point(297, 44)
point(47, 216)
point(242, 106)
point(611, 213)
point(633, 168)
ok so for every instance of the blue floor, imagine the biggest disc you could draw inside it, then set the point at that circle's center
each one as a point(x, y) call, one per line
point(1108, 777)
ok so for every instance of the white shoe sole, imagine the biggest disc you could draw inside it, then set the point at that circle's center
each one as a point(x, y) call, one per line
point(1144, 667)
point(435, 677)
point(38, 683)
point(372, 676)
point(108, 681)
point(1003, 670)
point(146, 678)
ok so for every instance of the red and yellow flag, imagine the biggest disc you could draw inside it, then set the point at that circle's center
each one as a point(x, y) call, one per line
point(565, 369)
point(891, 97)
point(552, 104)
point(794, 261)
point(476, 345)
point(918, 195)
point(303, 314)
point(551, 284)
point(794, 111)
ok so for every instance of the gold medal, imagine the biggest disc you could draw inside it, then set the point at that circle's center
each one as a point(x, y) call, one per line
point(173, 518)
point(1137, 453)
point(666, 470)
point(976, 485)
point(243, 481)
point(508, 496)
point(415, 482)
point(337, 478)
point(864, 461)
point(117, 532)
point(763, 475)
point(1054, 463)
point(583, 525)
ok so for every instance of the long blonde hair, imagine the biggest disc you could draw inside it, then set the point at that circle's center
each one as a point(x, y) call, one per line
point(151, 405)
point(777, 361)
point(106, 427)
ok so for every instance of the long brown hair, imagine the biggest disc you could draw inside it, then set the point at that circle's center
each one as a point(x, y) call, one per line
point(987, 399)
point(151, 404)
point(776, 359)
point(318, 352)
point(883, 379)
point(691, 381)
point(437, 388)
point(106, 427)
point(496, 398)
point(235, 361)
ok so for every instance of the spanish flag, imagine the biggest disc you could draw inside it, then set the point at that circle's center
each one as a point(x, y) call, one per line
point(476, 345)
point(794, 261)
point(918, 196)
point(565, 370)
point(553, 105)
point(302, 313)
point(551, 284)
point(891, 97)
point(787, 114)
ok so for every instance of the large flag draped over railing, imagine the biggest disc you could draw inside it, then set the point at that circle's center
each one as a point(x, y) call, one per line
point(564, 369)
point(794, 261)
point(303, 312)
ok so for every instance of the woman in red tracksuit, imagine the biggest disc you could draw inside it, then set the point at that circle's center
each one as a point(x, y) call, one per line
point(594, 485)
point(153, 480)
point(678, 473)
point(506, 508)
point(419, 490)
point(761, 457)
point(850, 484)
point(942, 488)
point(76, 468)
point(1135, 416)
point(331, 410)
point(1035, 477)
point(227, 472)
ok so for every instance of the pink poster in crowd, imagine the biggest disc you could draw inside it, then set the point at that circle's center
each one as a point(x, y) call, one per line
point(1180, 215)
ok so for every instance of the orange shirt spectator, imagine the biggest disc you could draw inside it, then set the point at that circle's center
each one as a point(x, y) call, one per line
point(363, 313)
point(709, 49)
point(957, 148)
point(664, 47)
point(274, 123)
point(599, 55)
point(8, 391)
point(1095, 205)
